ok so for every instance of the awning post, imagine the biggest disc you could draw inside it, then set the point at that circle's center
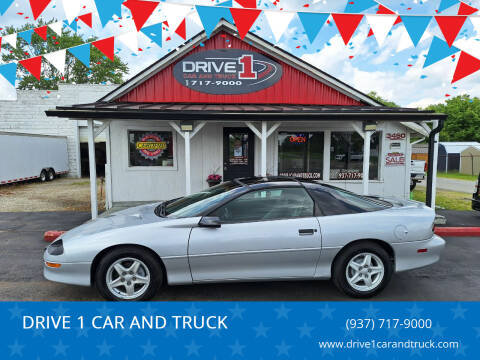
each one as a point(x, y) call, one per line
point(264, 149)
point(366, 161)
point(93, 169)
point(188, 185)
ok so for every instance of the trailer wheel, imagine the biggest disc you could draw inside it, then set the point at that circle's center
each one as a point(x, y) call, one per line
point(43, 176)
point(50, 175)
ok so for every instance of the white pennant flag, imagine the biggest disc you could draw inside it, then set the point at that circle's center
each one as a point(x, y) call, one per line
point(476, 23)
point(381, 25)
point(278, 22)
point(72, 8)
point(175, 14)
point(11, 40)
point(406, 42)
point(130, 39)
point(57, 59)
point(56, 27)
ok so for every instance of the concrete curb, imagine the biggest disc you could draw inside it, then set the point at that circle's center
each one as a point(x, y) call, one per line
point(50, 236)
point(457, 231)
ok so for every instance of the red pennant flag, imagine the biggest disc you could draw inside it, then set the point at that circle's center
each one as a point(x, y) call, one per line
point(0, 41)
point(465, 9)
point(244, 19)
point(347, 24)
point(106, 46)
point(141, 11)
point(467, 65)
point(33, 65)
point(42, 32)
point(87, 19)
point(251, 4)
point(450, 26)
point(182, 30)
point(38, 6)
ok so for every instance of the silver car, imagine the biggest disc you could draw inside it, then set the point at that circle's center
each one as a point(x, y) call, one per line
point(255, 229)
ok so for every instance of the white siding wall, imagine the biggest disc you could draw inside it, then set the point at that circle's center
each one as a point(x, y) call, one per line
point(27, 113)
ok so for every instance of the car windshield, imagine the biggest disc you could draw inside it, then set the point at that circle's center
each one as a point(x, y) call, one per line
point(195, 204)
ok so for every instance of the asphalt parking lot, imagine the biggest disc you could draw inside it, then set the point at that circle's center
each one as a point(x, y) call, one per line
point(455, 277)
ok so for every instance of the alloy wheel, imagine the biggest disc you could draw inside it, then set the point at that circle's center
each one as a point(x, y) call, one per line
point(128, 278)
point(365, 271)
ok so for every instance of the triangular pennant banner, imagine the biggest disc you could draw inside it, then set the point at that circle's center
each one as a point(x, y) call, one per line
point(87, 19)
point(416, 26)
point(33, 65)
point(466, 65)
point(278, 22)
point(9, 72)
point(0, 42)
point(72, 8)
point(11, 40)
point(57, 59)
point(56, 27)
point(312, 23)
point(347, 24)
point(4, 5)
point(141, 11)
point(154, 33)
point(130, 39)
point(106, 9)
point(381, 26)
point(358, 6)
point(445, 4)
point(175, 13)
point(228, 3)
point(475, 20)
point(42, 32)
point(181, 30)
point(244, 19)
point(38, 6)
point(106, 46)
point(439, 50)
point(450, 26)
point(465, 9)
point(82, 53)
point(26, 35)
point(386, 11)
point(249, 4)
point(73, 25)
point(210, 16)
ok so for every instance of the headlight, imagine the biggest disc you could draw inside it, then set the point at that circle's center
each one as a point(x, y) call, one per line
point(55, 248)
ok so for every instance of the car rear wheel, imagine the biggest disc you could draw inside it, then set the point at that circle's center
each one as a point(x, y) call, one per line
point(50, 175)
point(362, 270)
point(128, 274)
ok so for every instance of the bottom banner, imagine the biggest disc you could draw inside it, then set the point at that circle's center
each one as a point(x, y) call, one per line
point(250, 330)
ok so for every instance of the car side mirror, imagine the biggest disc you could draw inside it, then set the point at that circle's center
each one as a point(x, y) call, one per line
point(210, 222)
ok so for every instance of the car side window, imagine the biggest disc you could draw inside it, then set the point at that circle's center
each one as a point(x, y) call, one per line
point(267, 204)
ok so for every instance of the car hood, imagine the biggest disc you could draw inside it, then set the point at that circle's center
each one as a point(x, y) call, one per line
point(134, 216)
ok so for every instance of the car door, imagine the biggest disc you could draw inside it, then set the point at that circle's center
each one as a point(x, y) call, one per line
point(264, 234)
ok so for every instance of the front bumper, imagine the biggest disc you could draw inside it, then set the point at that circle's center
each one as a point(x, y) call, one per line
point(67, 273)
point(407, 255)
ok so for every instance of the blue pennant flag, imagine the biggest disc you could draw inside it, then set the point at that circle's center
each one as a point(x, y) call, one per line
point(26, 35)
point(210, 16)
point(445, 4)
point(439, 50)
point(357, 6)
point(73, 25)
point(154, 33)
point(4, 5)
point(312, 23)
point(82, 53)
point(9, 72)
point(228, 3)
point(107, 8)
point(416, 26)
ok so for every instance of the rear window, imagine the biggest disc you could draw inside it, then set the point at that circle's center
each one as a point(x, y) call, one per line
point(335, 201)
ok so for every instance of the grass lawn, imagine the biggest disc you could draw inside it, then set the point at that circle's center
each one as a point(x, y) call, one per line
point(456, 175)
point(449, 200)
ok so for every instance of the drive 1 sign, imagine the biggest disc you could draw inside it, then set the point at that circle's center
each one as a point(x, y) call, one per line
point(227, 71)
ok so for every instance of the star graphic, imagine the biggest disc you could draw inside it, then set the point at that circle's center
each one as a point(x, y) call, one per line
point(237, 311)
point(193, 348)
point(348, 332)
point(326, 352)
point(477, 329)
point(16, 349)
point(327, 312)
point(282, 311)
point(237, 349)
point(214, 332)
point(415, 311)
point(415, 351)
point(261, 330)
point(16, 312)
point(305, 330)
point(393, 332)
point(192, 310)
point(60, 348)
point(149, 310)
point(371, 312)
point(148, 348)
point(127, 332)
point(461, 350)
point(283, 349)
point(437, 330)
point(38, 332)
point(60, 310)
point(372, 351)
point(104, 310)
point(459, 312)
point(104, 348)
point(82, 332)
point(171, 330)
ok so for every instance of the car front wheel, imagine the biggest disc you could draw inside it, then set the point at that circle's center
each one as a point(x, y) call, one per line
point(362, 270)
point(128, 274)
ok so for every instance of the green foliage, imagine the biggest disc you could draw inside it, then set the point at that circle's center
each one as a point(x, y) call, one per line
point(381, 100)
point(101, 69)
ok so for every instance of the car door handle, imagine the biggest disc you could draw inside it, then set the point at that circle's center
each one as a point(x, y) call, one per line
point(306, 231)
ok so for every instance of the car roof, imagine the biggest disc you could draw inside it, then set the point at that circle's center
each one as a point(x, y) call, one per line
point(259, 181)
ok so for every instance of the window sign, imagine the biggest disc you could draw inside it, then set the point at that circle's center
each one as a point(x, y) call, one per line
point(395, 154)
point(238, 149)
point(150, 148)
point(300, 154)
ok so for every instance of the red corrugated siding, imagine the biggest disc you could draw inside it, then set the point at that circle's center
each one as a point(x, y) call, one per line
point(295, 87)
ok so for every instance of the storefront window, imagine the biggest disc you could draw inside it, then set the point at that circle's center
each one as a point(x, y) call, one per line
point(346, 156)
point(300, 154)
point(150, 148)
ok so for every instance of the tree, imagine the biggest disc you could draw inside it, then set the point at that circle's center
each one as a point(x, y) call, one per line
point(381, 100)
point(101, 69)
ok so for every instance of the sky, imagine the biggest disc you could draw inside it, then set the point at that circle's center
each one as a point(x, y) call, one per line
point(394, 73)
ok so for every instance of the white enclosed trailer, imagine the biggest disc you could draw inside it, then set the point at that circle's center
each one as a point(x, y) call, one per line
point(30, 156)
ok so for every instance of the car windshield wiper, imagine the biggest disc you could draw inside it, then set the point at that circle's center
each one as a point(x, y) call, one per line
point(161, 209)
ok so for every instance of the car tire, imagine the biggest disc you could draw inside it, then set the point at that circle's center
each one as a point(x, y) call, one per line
point(148, 267)
point(50, 175)
point(43, 176)
point(371, 279)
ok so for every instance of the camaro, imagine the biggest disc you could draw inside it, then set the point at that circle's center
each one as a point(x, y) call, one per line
point(253, 229)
